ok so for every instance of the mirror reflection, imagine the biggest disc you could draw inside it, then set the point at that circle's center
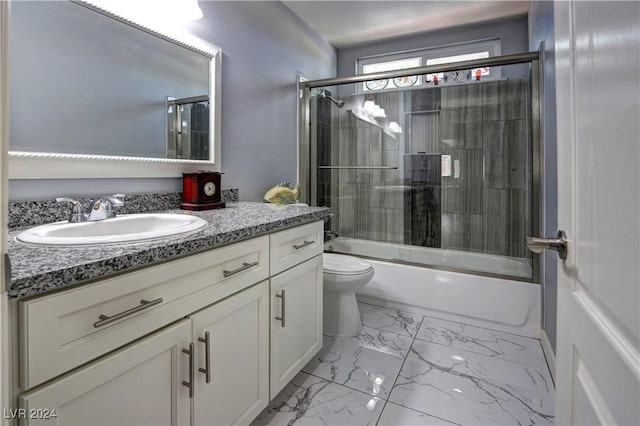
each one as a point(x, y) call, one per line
point(85, 83)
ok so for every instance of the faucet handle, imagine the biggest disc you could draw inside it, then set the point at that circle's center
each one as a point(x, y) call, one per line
point(115, 199)
point(103, 207)
point(77, 211)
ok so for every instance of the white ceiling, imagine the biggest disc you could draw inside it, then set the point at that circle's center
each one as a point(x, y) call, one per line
point(350, 23)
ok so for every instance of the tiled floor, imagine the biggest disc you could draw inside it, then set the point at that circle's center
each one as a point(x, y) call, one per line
point(406, 369)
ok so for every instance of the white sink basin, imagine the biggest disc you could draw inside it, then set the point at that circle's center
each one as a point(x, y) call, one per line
point(125, 228)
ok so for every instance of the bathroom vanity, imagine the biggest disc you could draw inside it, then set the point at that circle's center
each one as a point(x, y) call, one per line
point(206, 336)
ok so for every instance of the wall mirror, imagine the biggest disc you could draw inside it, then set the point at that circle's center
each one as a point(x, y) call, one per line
point(97, 95)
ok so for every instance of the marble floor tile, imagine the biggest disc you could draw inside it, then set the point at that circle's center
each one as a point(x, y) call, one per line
point(389, 319)
point(396, 415)
point(469, 388)
point(483, 341)
point(369, 362)
point(309, 400)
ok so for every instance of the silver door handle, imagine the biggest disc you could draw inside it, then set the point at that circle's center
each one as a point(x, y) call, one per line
point(281, 318)
point(207, 356)
point(244, 267)
point(189, 384)
point(144, 304)
point(558, 244)
point(304, 244)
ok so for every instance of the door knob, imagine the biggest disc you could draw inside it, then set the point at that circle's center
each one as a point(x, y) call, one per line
point(558, 244)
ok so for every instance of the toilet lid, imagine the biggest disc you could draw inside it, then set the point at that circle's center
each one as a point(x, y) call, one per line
point(344, 265)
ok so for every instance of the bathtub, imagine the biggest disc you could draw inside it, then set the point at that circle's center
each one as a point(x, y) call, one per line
point(496, 303)
point(435, 257)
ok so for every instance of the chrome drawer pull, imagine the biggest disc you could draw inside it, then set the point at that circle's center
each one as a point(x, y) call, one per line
point(244, 267)
point(207, 357)
point(306, 243)
point(283, 297)
point(144, 304)
point(189, 384)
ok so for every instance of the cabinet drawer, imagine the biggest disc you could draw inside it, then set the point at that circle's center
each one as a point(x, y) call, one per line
point(293, 246)
point(67, 329)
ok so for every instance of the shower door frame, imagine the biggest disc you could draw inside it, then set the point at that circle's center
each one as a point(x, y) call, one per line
point(307, 166)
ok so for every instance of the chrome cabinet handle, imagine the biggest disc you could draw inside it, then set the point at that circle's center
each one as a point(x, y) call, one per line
point(558, 244)
point(244, 267)
point(207, 357)
point(144, 304)
point(283, 297)
point(306, 243)
point(189, 384)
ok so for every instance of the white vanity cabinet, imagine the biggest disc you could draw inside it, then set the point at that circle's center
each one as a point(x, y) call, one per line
point(206, 339)
point(232, 359)
point(137, 385)
point(296, 301)
point(296, 320)
point(218, 357)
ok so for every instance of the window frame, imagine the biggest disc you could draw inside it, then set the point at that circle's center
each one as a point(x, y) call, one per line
point(493, 46)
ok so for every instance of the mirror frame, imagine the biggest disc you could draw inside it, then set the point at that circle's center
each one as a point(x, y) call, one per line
point(51, 165)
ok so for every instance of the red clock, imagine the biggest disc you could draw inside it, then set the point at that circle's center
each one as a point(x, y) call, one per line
point(201, 190)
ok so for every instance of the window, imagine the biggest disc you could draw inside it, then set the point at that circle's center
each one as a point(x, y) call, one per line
point(435, 56)
point(394, 83)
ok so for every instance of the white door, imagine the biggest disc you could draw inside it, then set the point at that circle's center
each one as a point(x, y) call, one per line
point(232, 358)
point(598, 113)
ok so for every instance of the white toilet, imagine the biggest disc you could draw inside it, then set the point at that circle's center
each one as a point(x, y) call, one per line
point(343, 275)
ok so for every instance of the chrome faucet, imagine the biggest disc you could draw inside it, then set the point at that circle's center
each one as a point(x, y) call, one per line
point(77, 211)
point(102, 208)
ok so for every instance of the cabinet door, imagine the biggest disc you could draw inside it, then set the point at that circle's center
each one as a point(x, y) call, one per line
point(140, 384)
point(296, 320)
point(238, 356)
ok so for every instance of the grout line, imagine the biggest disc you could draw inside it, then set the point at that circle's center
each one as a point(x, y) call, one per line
point(423, 413)
point(424, 317)
point(402, 366)
point(539, 367)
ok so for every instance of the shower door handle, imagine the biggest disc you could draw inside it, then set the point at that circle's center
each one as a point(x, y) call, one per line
point(558, 244)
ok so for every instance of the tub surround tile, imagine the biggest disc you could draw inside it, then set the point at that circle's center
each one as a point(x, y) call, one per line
point(368, 362)
point(505, 154)
point(39, 268)
point(469, 388)
point(482, 341)
point(29, 213)
point(390, 319)
point(505, 100)
point(309, 400)
point(397, 415)
point(506, 222)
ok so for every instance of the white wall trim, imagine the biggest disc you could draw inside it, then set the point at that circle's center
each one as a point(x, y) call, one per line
point(51, 165)
point(548, 353)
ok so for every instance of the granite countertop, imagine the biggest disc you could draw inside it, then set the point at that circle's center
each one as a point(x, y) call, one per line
point(36, 269)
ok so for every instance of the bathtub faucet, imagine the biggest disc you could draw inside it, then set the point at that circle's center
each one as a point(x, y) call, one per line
point(329, 235)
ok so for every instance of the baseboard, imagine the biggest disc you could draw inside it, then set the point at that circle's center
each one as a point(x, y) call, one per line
point(548, 353)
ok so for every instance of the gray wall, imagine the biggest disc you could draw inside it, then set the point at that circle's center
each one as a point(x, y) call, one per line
point(265, 46)
point(513, 35)
point(541, 29)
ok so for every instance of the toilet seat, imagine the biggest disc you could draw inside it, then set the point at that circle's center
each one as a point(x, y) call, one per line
point(344, 265)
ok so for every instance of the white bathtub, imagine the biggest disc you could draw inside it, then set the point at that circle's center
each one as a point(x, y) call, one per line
point(445, 258)
point(496, 303)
